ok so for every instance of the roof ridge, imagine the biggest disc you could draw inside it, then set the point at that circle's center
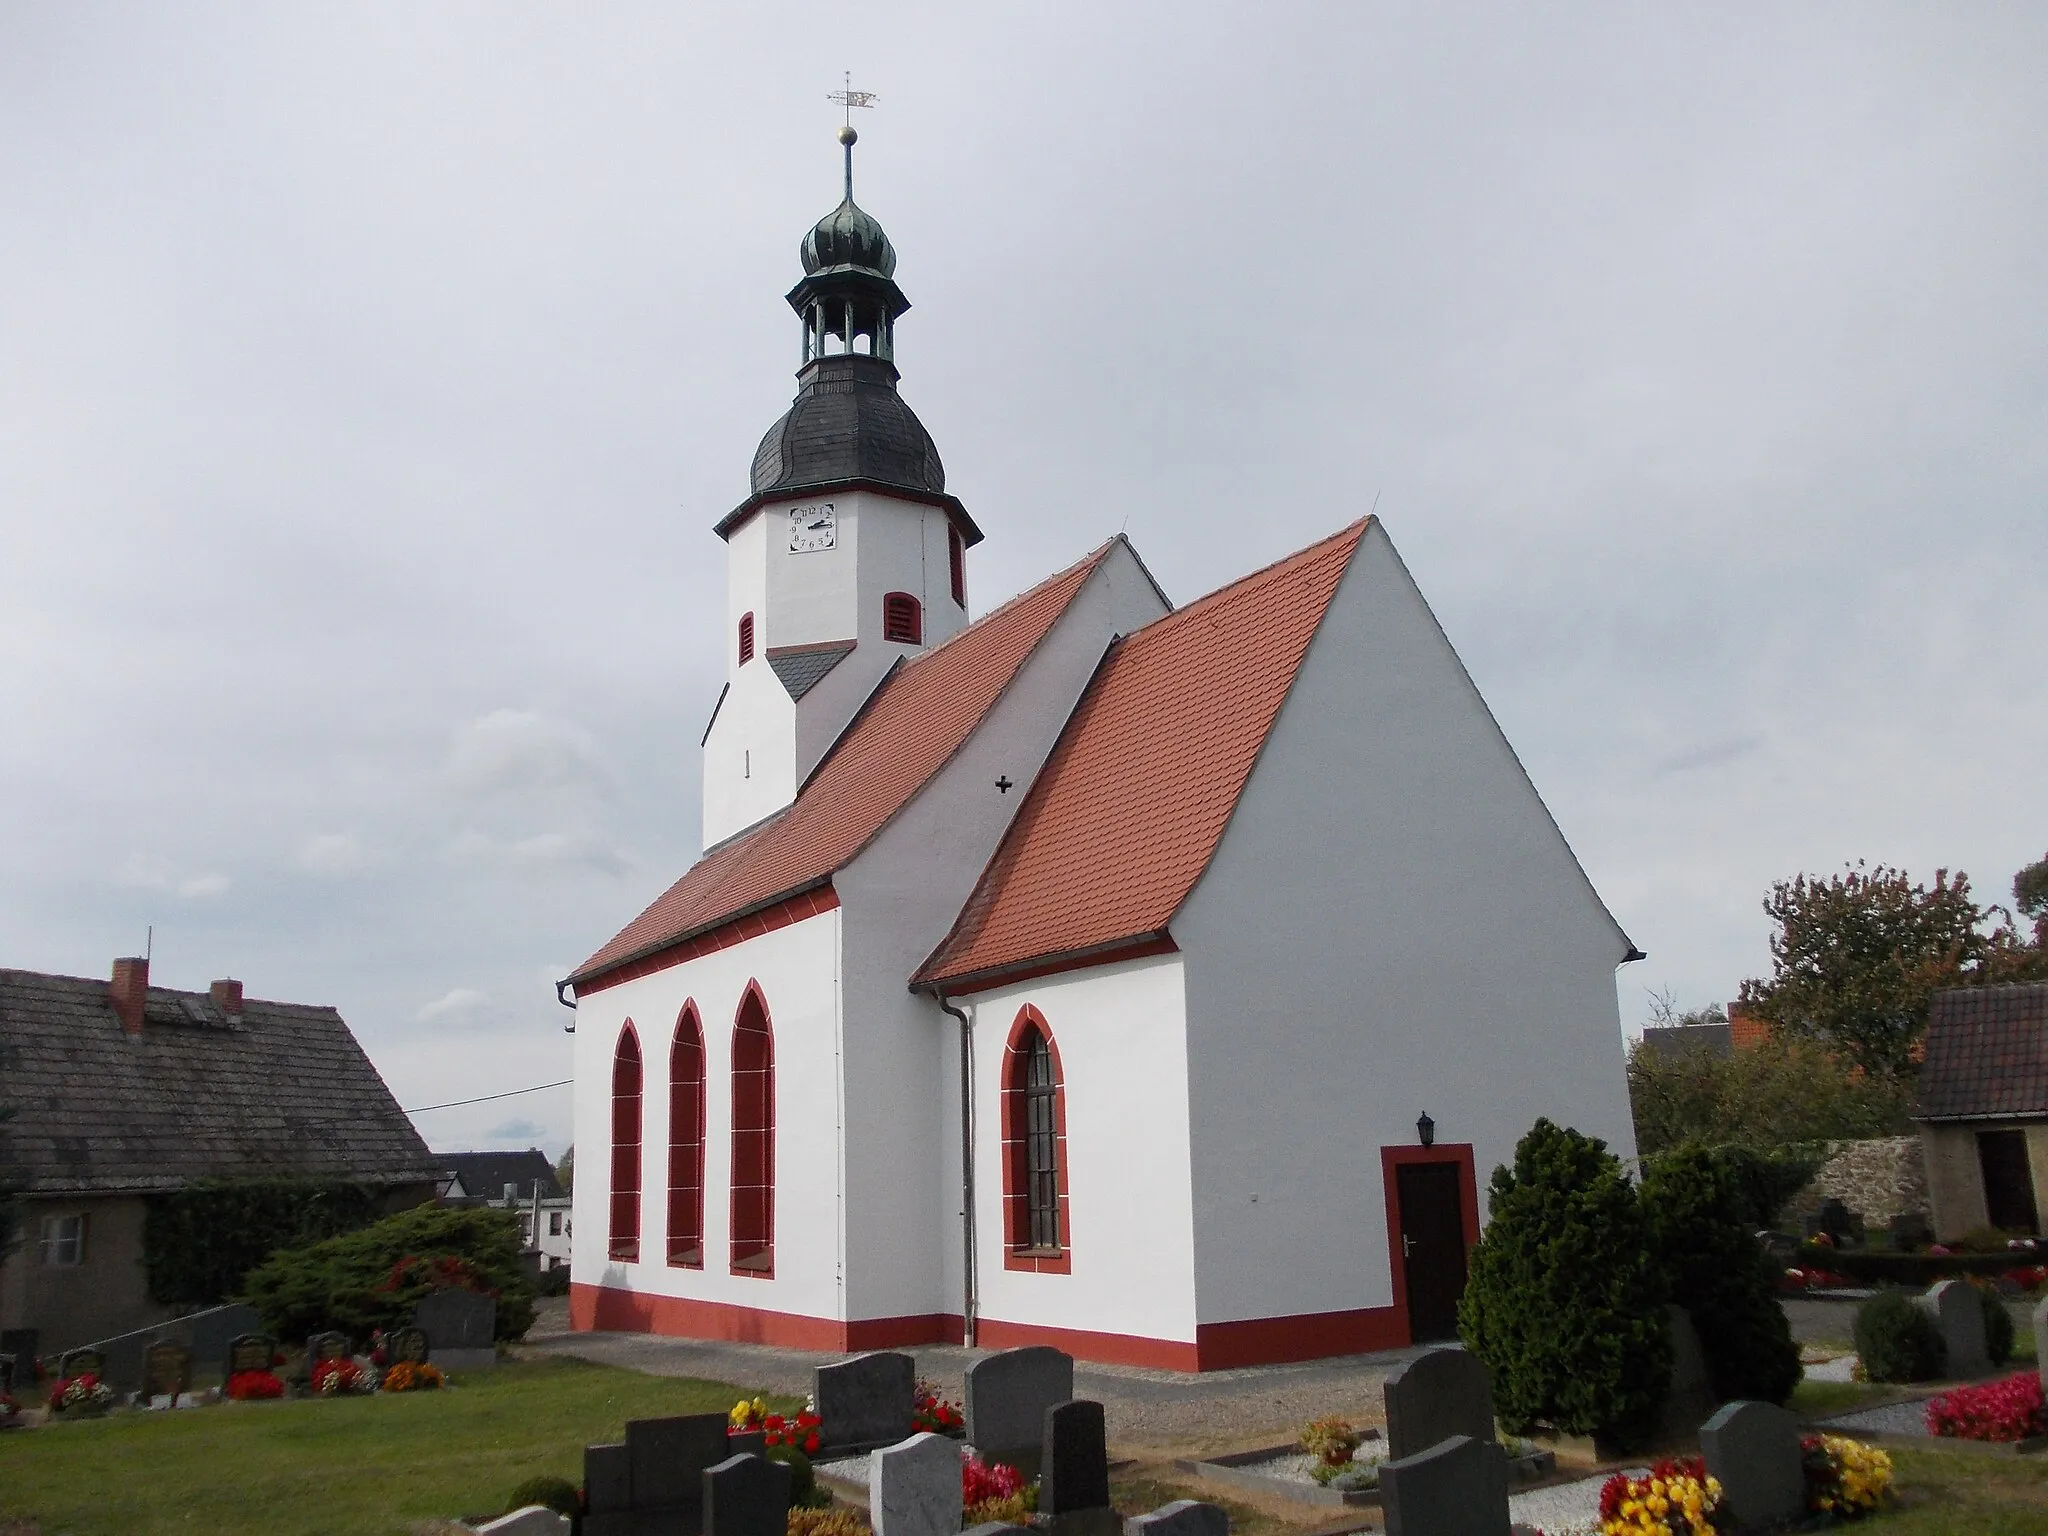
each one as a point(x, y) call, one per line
point(1092, 558)
point(1267, 572)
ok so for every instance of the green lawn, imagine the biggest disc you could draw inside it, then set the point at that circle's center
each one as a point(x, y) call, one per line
point(370, 1466)
point(1956, 1493)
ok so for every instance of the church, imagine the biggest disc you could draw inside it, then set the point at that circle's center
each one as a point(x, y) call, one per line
point(1159, 983)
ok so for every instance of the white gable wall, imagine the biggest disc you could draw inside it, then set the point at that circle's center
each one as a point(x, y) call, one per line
point(797, 968)
point(1391, 874)
point(899, 897)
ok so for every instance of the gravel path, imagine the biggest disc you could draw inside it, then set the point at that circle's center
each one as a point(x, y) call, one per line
point(1565, 1507)
point(1891, 1419)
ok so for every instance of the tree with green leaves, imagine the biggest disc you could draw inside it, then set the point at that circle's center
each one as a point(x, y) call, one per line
point(1858, 957)
point(2030, 895)
point(565, 1170)
point(1777, 1093)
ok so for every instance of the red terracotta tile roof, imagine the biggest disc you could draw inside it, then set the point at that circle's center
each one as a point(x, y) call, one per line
point(1987, 1054)
point(1129, 808)
point(916, 720)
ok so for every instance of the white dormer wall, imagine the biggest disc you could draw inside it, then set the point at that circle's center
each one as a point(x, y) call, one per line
point(762, 745)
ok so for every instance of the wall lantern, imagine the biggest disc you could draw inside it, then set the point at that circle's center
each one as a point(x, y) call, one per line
point(1425, 1128)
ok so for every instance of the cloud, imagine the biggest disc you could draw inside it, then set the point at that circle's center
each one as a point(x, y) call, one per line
point(333, 853)
point(542, 850)
point(1711, 755)
point(523, 754)
point(457, 1003)
point(151, 873)
point(528, 1131)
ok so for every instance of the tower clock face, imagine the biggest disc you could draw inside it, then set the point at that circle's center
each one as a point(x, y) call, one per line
point(812, 527)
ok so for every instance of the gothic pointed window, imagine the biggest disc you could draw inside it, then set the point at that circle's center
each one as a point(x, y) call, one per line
point(686, 1142)
point(625, 1197)
point(902, 619)
point(753, 1138)
point(1034, 1148)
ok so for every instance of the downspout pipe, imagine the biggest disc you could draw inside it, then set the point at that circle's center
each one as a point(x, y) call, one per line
point(969, 1300)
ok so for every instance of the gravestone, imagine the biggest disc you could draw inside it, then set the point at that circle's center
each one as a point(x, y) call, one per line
point(20, 1342)
point(1957, 1312)
point(408, 1345)
point(749, 1496)
point(534, 1520)
point(1458, 1487)
point(746, 1442)
point(328, 1346)
point(1183, 1517)
point(607, 1481)
point(1073, 1469)
point(1753, 1448)
point(669, 1456)
point(166, 1370)
point(914, 1487)
point(1910, 1230)
point(1781, 1246)
point(865, 1402)
point(2041, 1338)
point(1689, 1399)
point(1007, 1395)
point(461, 1329)
point(209, 1332)
point(250, 1352)
point(82, 1362)
point(6, 1373)
point(1440, 1393)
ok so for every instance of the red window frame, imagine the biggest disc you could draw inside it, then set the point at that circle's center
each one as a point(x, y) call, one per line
point(746, 638)
point(902, 618)
point(686, 1142)
point(1018, 1250)
point(625, 1192)
point(956, 559)
point(753, 1137)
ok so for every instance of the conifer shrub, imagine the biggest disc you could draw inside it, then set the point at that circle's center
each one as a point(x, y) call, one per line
point(556, 1493)
point(1699, 1206)
point(1563, 1303)
point(1898, 1341)
point(805, 1492)
point(1998, 1329)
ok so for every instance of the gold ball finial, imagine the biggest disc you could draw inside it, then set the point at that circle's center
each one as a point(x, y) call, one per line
point(849, 135)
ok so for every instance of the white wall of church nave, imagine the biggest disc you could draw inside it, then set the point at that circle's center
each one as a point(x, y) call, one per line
point(750, 755)
point(1120, 1034)
point(899, 896)
point(797, 969)
point(1391, 924)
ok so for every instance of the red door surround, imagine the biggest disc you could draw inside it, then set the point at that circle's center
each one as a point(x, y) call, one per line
point(1458, 1153)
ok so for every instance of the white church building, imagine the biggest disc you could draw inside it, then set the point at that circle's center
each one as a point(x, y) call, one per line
point(1157, 983)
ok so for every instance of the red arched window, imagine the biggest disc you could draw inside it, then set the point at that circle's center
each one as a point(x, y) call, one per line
point(746, 638)
point(753, 1138)
point(956, 553)
point(1034, 1149)
point(686, 1142)
point(902, 619)
point(625, 1214)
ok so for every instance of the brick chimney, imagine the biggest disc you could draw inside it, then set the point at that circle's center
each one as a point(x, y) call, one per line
point(227, 997)
point(128, 990)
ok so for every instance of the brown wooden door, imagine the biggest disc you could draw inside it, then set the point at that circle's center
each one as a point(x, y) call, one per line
point(2008, 1181)
point(1432, 1221)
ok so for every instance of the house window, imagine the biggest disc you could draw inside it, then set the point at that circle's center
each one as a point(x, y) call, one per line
point(554, 1223)
point(61, 1241)
point(902, 619)
point(686, 1142)
point(625, 1211)
point(753, 1138)
point(1034, 1148)
point(956, 554)
point(746, 638)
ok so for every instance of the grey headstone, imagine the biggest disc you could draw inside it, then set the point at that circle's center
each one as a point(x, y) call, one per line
point(1440, 1393)
point(869, 1400)
point(166, 1369)
point(6, 1373)
point(749, 1496)
point(1753, 1448)
point(1007, 1395)
point(1689, 1399)
point(1458, 1487)
point(88, 1362)
point(209, 1332)
point(914, 1487)
point(607, 1479)
point(328, 1346)
point(1073, 1470)
point(250, 1352)
point(407, 1344)
point(457, 1319)
point(534, 1520)
point(1910, 1230)
point(669, 1457)
point(1957, 1312)
point(1183, 1517)
point(746, 1442)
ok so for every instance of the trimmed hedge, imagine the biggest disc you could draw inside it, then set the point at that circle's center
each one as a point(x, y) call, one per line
point(200, 1242)
point(1915, 1270)
point(374, 1277)
point(1897, 1340)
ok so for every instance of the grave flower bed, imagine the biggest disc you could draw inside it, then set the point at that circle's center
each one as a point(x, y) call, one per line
point(1331, 1439)
point(747, 1416)
point(82, 1396)
point(9, 1410)
point(1675, 1498)
point(2004, 1411)
point(933, 1414)
point(1845, 1478)
point(406, 1376)
point(254, 1386)
point(994, 1491)
point(336, 1378)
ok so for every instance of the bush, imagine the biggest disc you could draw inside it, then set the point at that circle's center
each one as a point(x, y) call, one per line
point(373, 1278)
point(1765, 1096)
point(1698, 1205)
point(199, 1243)
point(556, 1493)
point(1998, 1329)
point(552, 1282)
point(1563, 1304)
point(1898, 1341)
point(803, 1482)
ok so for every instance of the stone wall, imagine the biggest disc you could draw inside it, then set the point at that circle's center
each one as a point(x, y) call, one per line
point(1877, 1179)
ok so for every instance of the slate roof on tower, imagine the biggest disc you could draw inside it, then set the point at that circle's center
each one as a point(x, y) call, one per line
point(1130, 806)
point(919, 716)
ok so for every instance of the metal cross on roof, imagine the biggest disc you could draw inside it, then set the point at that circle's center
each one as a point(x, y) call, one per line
point(849, 98)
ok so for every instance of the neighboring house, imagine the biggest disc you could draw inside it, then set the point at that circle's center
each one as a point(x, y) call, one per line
point(1674, 1042)
point(1983, 1108)
point(1156, 984)
point(520, 1181)
point(125, 1090)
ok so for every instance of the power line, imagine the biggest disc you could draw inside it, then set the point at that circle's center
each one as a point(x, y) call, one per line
point(509, 1094)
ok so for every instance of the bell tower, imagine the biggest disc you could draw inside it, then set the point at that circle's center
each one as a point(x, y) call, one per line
point(849, 555)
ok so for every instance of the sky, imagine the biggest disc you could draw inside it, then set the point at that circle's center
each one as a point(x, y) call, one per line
point(371, 377)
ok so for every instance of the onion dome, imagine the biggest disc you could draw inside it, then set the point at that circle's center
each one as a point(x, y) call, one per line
point(848, 236)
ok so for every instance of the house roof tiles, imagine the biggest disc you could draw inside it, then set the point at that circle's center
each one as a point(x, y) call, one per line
point(1987, 1054)
point(1130, 806)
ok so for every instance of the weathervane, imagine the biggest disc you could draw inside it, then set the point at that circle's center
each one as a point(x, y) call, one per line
point(849, 98)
